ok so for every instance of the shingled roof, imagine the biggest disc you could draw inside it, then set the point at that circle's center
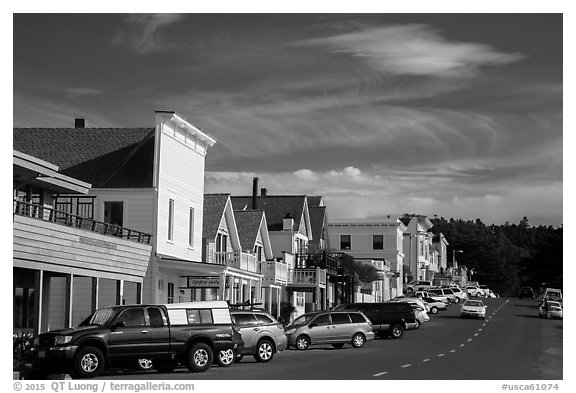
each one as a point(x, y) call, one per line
point(248, 224)
point(275, 206)
point(104, 157)
point(317, 216)
point(214, 206)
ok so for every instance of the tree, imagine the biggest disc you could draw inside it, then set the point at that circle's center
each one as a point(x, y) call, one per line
point(365, 273)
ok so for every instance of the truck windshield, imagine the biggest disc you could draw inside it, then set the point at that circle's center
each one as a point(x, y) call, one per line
point(98, 317)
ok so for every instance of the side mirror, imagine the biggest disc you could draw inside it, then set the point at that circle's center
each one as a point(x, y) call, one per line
point(118, 324)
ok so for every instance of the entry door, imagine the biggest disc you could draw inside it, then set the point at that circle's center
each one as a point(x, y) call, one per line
point(159, 334)
point(131, 340)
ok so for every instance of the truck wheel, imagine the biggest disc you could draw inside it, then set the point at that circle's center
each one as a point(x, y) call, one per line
point(144, 364)
point(199, 358)
point(88, 362)
point(225, 358)
point(396, 331)
point(165, 366)
point(264, 351)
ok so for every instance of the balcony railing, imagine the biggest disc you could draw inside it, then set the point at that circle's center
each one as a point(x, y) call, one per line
point(237, 259)
point(44, 213)
point(308, 277)
point(274, 272)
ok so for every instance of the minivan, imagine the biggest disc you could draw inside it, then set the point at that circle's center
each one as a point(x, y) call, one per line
point(329, 327)
point(388, 319)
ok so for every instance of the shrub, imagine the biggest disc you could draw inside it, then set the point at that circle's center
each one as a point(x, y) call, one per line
point(22, 346)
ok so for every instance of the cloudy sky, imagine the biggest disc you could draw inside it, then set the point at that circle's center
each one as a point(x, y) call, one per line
point(455, 115)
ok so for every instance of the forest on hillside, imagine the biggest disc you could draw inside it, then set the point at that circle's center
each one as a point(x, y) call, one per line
point(504, 257)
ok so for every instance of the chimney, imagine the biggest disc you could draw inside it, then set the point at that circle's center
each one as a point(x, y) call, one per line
point(79, 123)
point(263, 192)
point(254, 192)
point(288, 222)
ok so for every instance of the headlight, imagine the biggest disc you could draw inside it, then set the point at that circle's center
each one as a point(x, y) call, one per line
point(61, 340)
point(290, 331)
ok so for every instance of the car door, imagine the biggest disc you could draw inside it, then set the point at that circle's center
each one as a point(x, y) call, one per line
point(320, 329)
point(131, 339)
point(159, 332)
point(248, 327)
point(342, 327)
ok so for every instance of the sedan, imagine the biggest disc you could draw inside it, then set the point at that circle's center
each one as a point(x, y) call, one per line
point(550, 310)
point(434, 305)
point(473, 308)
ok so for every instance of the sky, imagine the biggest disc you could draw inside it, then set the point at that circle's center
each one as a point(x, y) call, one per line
point(454, 115)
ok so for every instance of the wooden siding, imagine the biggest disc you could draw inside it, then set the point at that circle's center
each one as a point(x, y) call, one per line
point(181, 178)
point(49, 246)
point(138, 206)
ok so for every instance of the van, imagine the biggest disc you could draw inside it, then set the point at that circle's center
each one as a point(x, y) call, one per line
point(388, 319)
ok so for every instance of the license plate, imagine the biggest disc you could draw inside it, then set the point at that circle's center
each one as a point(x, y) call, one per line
point(41, 354)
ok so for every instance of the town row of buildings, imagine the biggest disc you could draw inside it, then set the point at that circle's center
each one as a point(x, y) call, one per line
point(107, 216)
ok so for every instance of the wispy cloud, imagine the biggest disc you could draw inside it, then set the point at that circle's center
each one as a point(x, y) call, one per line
point(144, 34)
point(415, 49)
point(75, 92)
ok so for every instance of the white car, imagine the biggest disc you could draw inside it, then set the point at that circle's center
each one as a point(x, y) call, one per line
point(554, 310)
point(474, 291)
point(435, 305)
point(473, 308)
point(441, 295)
point(460, 294)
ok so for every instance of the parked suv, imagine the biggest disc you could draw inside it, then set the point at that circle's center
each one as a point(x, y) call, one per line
point(443, 294)
point(330, 327)
point(262, 334)
point(460, 294)
point(388, 319)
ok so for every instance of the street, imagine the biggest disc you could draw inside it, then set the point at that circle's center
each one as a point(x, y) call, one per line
point(512, 344)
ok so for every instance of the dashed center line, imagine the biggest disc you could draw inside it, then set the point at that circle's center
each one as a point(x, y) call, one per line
point(379, 374)
point(440, 355)
point(469, 339)
point(475, 334)
point(426, 360)
point(453, 350)
point(461, 345)
point(406, 365)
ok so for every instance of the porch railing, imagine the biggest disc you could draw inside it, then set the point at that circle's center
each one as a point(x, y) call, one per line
point(310, 277)
point(44, 213)
point(237, 259)
point(274, 272)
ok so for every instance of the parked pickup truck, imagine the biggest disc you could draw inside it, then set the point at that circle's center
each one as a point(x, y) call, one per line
point(187, 333)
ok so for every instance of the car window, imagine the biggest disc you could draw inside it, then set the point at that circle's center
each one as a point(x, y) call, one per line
point(244, 319)
point(132, 317)
point(199, 316)
point(340, 318)
point(357, 317)
point(157, 317)
point(322, 320)
point(264, 319)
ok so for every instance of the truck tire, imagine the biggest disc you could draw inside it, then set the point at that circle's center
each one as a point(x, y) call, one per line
point(396, 331)
point(200, 358)
point(88, 362)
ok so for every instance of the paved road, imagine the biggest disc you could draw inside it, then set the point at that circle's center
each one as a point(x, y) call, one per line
point(511, 344)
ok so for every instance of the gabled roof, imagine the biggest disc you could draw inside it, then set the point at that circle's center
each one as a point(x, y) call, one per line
point(104, 157)
point(214, 206)
point(248, 223)
point(275, 206)
point(315, 201)
point(317, 219)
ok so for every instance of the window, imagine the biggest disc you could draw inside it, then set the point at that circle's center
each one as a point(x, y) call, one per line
point(244, 319)
point(191, 228)
point(258, 252)
point(345, 242)
point(199, 316)
point(157, 318)
point(221, 242)
point(357, 318)
point(378, 242)
point(171, 219)
point(132, 317)
point(264, 319)
point(340, 318)
point(170, 292)
point(114, 215)
point(322, 320)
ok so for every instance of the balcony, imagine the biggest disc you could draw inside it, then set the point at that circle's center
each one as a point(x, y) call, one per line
point(40, 212)
point(237, 259)
point(308, 278)
point(274, 272)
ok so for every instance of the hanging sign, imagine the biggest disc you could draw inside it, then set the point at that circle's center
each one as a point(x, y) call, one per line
point(203, 282)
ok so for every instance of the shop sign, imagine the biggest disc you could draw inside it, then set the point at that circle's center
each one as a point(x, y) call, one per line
point(203, 282)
